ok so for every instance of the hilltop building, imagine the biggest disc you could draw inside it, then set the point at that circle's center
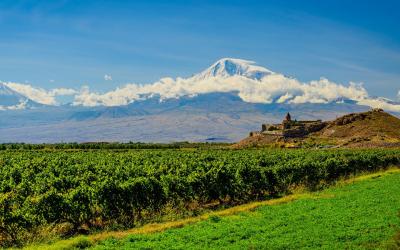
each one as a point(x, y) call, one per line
point(290, 128)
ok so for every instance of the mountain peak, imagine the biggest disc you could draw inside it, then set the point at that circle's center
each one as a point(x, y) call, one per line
point(4, 90)
point(227, 67)
point(7, 91)
point(11, 99)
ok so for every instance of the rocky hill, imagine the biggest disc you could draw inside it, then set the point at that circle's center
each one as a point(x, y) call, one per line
point(374, 128)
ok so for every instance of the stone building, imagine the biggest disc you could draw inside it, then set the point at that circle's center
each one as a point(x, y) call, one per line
point(290, 128)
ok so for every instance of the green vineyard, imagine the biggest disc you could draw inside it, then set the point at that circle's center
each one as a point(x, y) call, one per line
point(71, 192)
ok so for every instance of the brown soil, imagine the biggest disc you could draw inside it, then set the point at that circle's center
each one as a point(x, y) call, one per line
point(374, 128)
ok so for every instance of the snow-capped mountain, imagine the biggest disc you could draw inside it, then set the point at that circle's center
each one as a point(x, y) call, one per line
point(227, 67)
point(221, 103)
point(12, 100)
point(252, 83)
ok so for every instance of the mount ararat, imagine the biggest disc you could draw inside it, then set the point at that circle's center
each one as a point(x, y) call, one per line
point(222, 103)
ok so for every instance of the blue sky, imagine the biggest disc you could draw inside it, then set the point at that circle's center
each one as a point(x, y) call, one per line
point(54, 44)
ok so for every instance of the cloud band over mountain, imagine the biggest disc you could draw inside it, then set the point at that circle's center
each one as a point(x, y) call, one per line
point(252, 83)
point(39, 95)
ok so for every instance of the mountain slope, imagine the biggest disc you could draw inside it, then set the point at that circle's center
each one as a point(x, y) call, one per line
point(12, 100)
point(210, 117)
point(251, 83)
point(373, 128)
point(223, 103)
point(227, 67)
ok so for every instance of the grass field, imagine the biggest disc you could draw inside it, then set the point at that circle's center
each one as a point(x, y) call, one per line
point(361, 215)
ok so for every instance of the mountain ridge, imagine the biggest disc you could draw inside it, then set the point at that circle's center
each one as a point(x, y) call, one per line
point(252, 83)
point(13, 100)
point(221, 103)
point(217, 115)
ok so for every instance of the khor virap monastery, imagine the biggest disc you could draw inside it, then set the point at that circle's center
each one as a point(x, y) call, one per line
point(290, 128)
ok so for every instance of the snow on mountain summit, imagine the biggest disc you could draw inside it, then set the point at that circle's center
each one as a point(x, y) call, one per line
point(250, 82)
point(227, 67)
point(12, 100)
point(4, 90)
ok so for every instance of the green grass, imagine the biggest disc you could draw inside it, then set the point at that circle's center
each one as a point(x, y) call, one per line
point(362, 215)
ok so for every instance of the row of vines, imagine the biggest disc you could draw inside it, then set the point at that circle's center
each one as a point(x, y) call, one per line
point(99, 189)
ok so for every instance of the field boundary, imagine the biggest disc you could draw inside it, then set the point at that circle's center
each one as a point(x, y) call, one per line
point(82, 241)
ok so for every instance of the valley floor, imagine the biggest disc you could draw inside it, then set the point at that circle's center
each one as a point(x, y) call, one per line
point(361, 214)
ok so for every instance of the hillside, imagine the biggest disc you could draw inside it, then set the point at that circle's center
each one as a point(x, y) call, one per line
point(369, 129)
point(374, 128)
point(222, 117)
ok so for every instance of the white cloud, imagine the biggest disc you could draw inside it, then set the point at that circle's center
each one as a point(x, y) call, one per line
point(380, 103)
point(284, 98)
point(272, 88)
point(107, 77)
point(398, 95)
point(21, 105)
point(62, 91)
point(38, 94)
point(119, 96)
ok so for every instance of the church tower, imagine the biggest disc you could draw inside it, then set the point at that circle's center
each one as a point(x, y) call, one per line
point(288, 117)
point(287, 122)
